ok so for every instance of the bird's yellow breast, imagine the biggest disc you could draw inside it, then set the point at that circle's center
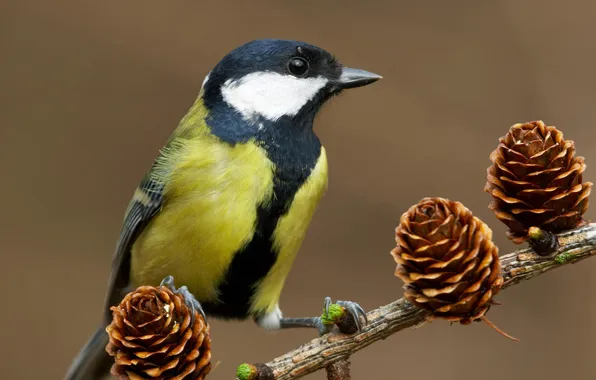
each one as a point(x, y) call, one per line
point(209, 214)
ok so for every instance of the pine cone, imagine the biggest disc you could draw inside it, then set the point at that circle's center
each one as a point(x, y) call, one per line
point(536, 181)
point(447, 260)
point(151, 337)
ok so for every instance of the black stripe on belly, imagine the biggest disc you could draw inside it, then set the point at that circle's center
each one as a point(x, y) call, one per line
point(295, 154)
point(248, 267)
point(253, 262)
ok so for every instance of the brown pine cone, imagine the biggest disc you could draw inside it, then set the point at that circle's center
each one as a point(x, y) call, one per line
point(536, 181)
point(447, 260)
point(152, 337)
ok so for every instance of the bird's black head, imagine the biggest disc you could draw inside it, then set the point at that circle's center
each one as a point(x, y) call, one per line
point(267, 80)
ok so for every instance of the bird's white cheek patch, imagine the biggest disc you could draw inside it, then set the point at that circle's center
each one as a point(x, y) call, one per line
point(270, 95)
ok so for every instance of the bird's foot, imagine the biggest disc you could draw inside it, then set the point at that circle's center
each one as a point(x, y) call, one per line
point(346, 315)
point(189, 299)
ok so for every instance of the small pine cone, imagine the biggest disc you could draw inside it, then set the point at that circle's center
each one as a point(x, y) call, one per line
point(151, 337)
point(536, 181)
point(447, 260)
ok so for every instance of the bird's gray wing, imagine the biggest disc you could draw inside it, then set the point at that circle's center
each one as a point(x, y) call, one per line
point(146, 202)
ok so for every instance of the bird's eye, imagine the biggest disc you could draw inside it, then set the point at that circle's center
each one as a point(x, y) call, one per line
point(298, 66)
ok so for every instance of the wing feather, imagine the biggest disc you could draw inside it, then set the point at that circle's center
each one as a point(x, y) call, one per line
point(146, 202)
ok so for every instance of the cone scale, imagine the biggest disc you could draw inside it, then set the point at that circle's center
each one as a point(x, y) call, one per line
point(536, 181)
point(152, 336)
point(447, 260)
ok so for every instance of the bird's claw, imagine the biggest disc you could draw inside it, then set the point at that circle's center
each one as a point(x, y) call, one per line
point(189, 298)
point(339, 317)
point(356, 311)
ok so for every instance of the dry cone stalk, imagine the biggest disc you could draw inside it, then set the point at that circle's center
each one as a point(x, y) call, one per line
point(536, 181)
point(447, 261)
point(152, 337)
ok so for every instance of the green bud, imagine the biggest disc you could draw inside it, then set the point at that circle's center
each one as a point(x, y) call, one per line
point(246, 371)
point(336, 312)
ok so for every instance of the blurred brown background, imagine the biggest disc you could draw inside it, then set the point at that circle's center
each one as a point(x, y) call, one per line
point(91, 89)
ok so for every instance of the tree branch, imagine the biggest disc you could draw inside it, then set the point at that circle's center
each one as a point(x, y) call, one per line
point(517, 266)
point(339, 370)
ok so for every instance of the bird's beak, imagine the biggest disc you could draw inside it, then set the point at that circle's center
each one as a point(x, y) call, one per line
point(351, 78)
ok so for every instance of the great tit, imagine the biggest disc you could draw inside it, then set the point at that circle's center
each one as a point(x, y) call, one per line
point(228, 200)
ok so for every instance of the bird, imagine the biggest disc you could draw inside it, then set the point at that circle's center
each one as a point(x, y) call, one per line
point(228, 200)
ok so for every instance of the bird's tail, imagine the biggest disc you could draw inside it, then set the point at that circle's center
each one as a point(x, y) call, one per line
point(92, 362)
